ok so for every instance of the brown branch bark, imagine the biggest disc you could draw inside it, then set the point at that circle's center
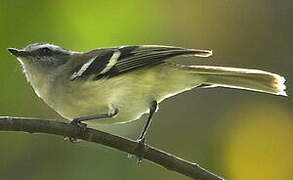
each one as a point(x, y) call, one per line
point(152, 154)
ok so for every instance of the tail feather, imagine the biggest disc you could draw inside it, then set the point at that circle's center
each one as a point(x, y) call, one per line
point(250, 79)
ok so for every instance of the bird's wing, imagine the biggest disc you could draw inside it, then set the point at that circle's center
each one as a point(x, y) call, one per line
point(115, 61)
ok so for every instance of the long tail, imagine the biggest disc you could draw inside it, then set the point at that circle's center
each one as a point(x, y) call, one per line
point(250, 79)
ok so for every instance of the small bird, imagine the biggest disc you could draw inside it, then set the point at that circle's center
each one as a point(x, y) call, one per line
point(119, 84)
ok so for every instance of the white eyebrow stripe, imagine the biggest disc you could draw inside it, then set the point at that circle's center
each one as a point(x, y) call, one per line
point(82, 69)
point(49, 45)
point(112, 62)
point(52, 46)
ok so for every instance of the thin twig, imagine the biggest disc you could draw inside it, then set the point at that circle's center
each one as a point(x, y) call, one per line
point(154, 155)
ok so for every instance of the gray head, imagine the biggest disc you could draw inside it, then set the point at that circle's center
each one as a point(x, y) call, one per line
point(42, 61)
point(42, 54)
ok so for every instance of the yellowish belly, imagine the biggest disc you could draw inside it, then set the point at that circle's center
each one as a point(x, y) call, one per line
point(131, 93)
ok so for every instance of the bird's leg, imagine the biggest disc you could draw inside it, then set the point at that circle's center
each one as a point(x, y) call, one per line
point(78, 121)
point(141, 138)
point(153, 108)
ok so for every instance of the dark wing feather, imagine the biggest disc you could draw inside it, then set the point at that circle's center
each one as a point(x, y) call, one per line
point(111, 62)
point(134, 57)
point(93, 66)
point(99, 64)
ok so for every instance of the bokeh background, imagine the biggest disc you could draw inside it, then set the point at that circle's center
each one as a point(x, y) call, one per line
point(236, 134)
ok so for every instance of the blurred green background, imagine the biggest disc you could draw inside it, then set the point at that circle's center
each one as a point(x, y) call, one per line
point(236, 134)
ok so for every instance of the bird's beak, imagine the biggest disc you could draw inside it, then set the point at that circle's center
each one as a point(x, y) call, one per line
point(18, 53)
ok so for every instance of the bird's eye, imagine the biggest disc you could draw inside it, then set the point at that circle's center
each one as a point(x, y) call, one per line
point(46, 52)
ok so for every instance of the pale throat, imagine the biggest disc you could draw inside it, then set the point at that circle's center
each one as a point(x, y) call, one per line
point(38, 80)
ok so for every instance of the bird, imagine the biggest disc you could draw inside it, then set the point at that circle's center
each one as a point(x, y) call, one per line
point(120, 84)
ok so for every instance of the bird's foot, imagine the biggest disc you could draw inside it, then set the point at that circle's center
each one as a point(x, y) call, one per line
point(77, 123)
point(140, 149)
point(73, 140)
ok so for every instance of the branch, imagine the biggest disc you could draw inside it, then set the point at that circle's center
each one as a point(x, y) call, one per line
point(169, 161)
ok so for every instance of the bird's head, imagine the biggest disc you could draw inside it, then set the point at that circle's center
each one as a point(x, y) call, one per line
point(41, 56)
